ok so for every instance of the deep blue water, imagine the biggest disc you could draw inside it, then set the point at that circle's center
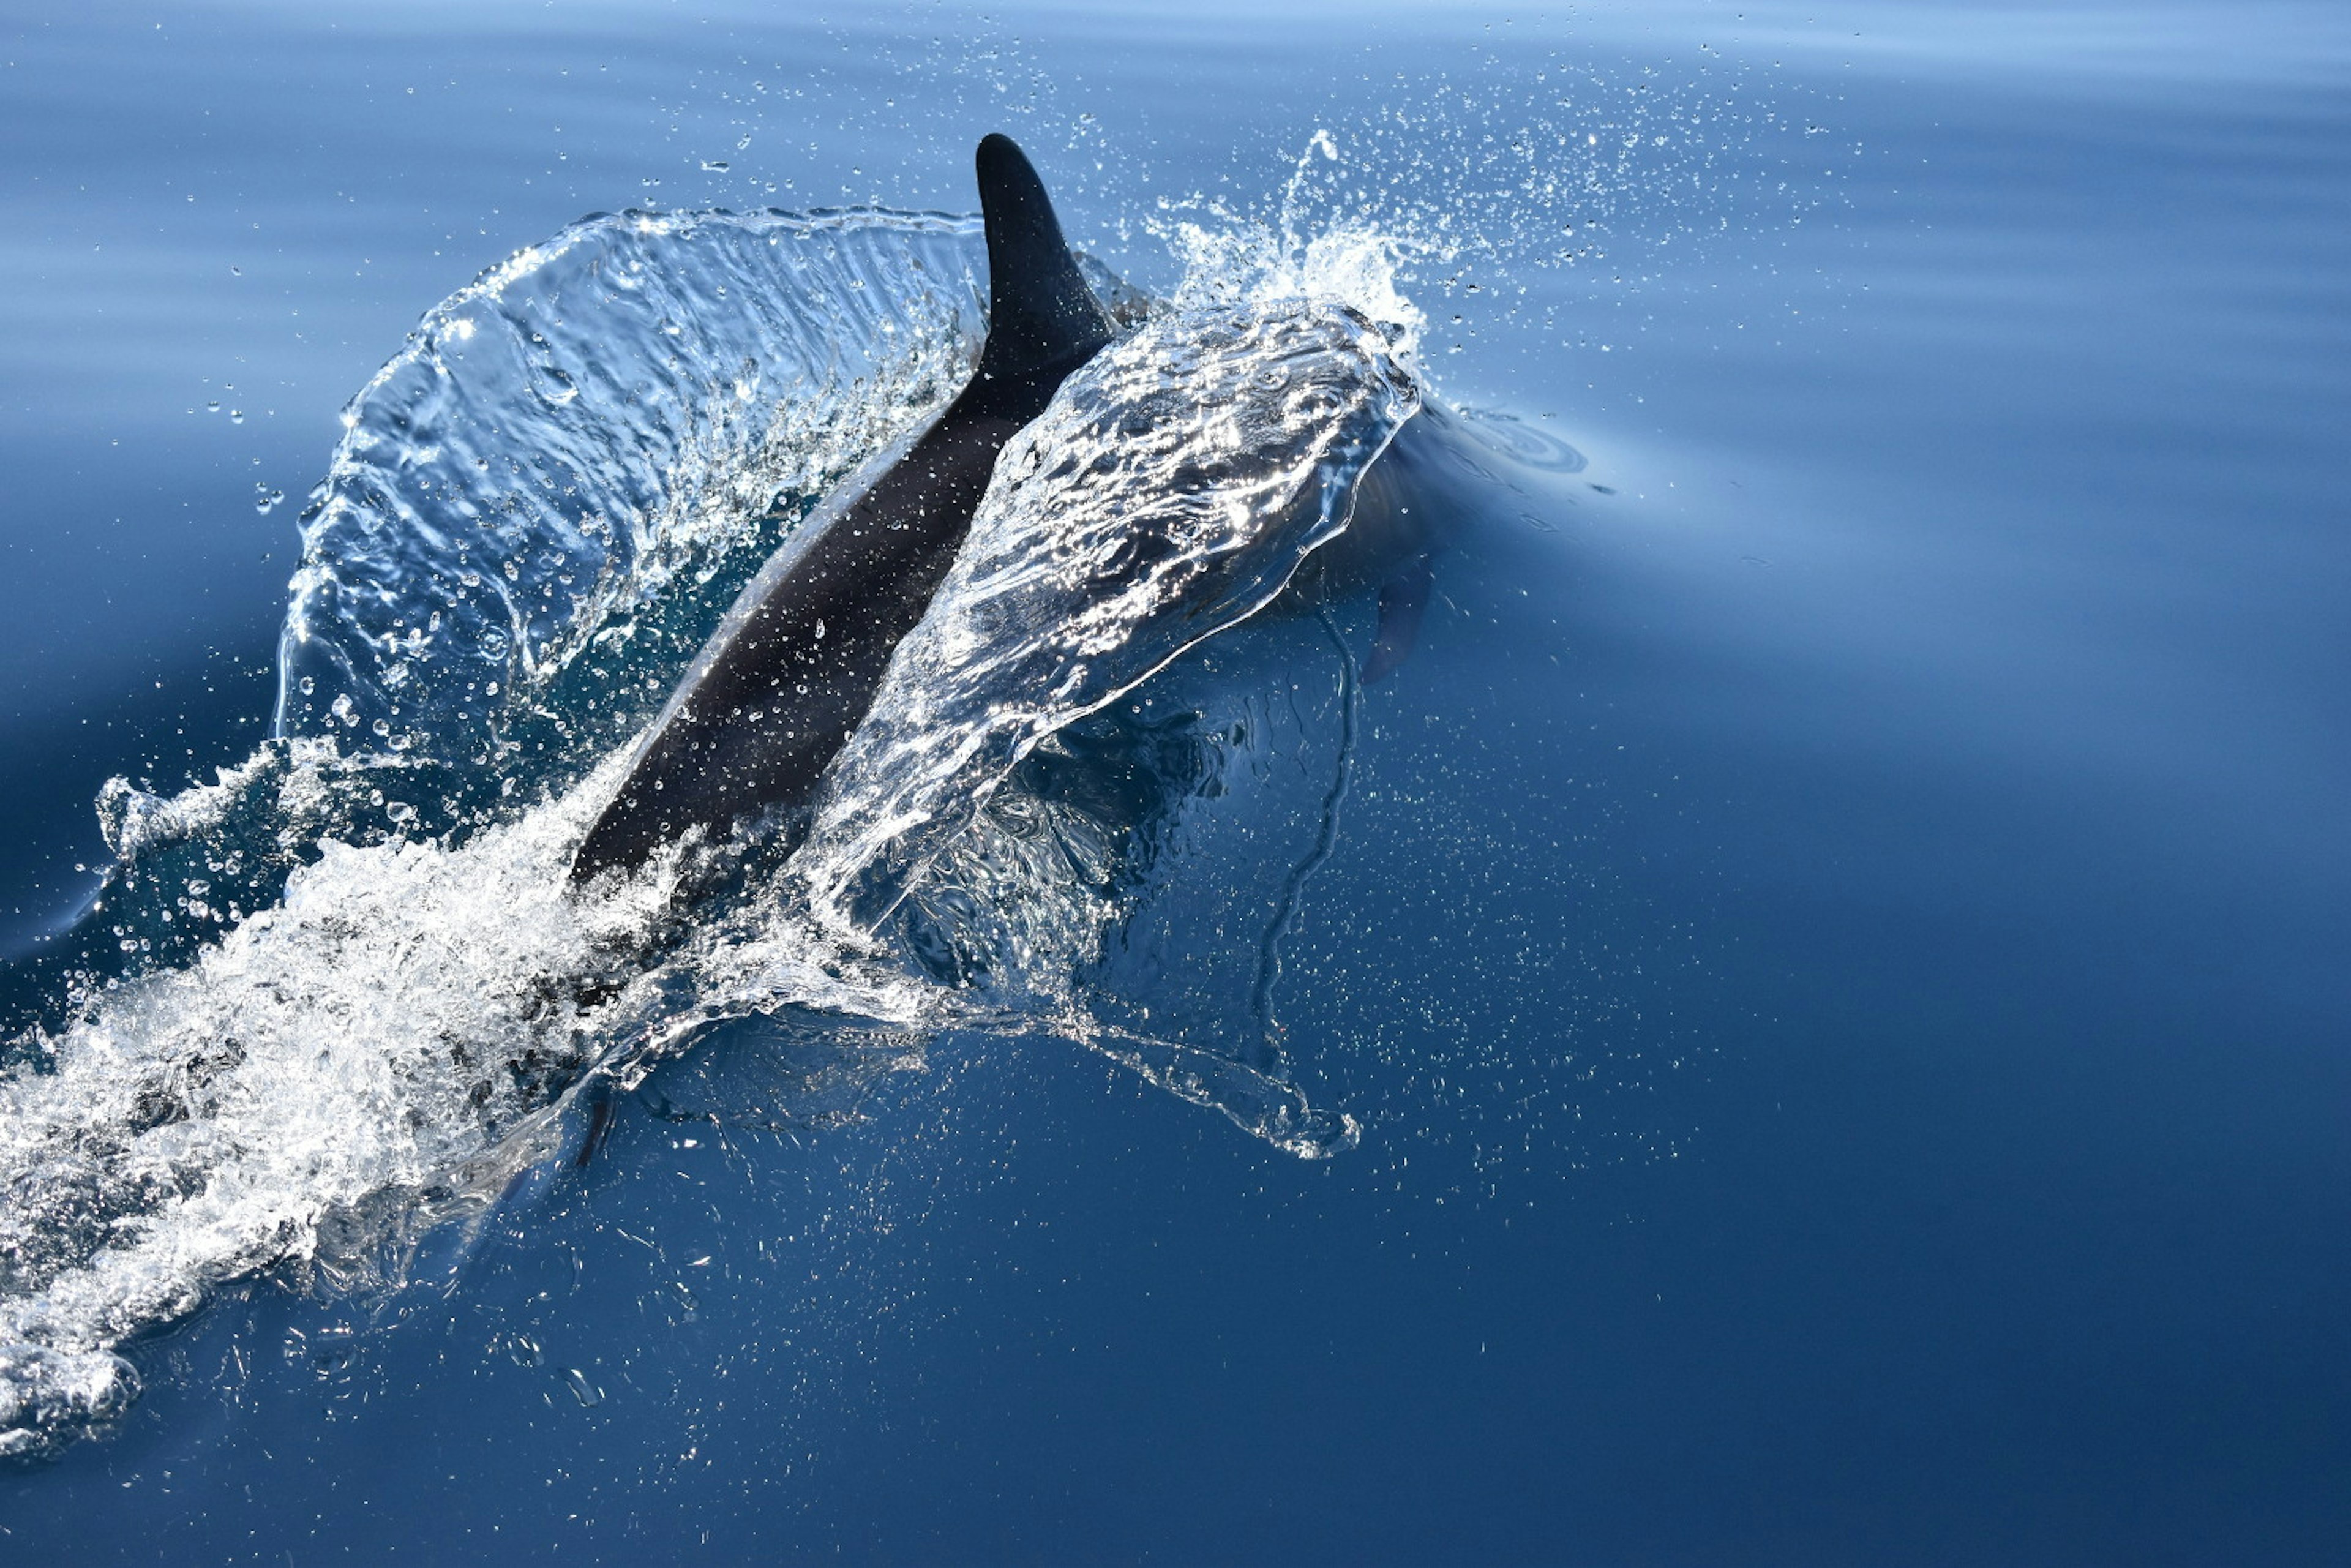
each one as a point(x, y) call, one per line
point(1836, 944)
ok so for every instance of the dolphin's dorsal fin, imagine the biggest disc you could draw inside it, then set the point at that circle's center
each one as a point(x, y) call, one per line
point(1040, 311)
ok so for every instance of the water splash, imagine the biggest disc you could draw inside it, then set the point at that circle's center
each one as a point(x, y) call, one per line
point(342, 995)
point(539, 508)
point(329, 1074)
point(594, 441)
point(1171, 490)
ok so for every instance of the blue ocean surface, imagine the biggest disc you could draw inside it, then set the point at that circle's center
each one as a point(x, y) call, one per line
point(1808, 1020)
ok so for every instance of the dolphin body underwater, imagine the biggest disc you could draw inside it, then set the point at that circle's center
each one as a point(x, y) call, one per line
point(794, 665)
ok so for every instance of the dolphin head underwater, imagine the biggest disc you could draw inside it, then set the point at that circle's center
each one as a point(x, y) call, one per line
point(793, 666)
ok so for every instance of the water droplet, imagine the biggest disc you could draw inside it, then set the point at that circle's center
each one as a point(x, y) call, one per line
point(587, 1393)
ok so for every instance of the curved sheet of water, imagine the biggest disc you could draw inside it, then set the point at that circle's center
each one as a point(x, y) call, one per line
point(594, 429)
point(1171, 490)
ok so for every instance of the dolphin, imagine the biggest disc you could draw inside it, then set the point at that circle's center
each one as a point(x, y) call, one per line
point(793, 665)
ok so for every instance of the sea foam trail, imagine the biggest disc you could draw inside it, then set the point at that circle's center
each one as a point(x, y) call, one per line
point(343, 995)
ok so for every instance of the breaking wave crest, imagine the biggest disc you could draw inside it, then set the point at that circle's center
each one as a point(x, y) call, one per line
point(343, 995)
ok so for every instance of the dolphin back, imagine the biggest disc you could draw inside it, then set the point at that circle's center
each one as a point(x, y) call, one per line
point(792, 668)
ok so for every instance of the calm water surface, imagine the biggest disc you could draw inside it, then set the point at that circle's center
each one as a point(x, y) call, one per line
point(1837, 939)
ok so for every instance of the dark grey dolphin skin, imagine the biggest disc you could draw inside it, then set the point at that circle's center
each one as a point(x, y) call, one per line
point(792, 668)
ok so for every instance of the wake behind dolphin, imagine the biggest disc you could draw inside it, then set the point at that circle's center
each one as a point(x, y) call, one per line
point(345, 994)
